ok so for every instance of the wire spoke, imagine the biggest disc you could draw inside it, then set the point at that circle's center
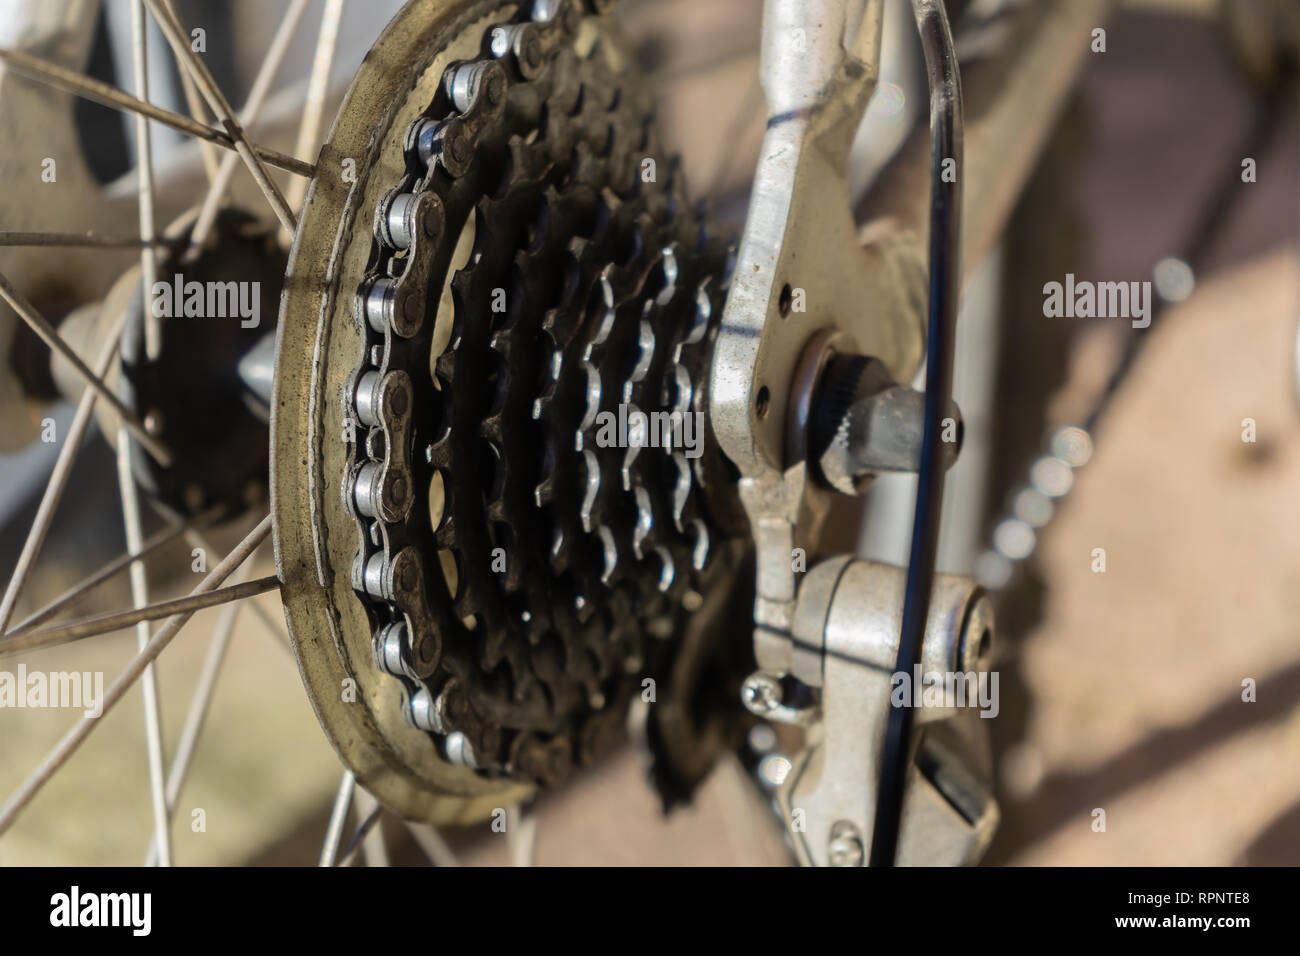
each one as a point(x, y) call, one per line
point(86, 239)
point(274, 630)
point(50, 336)
point(58, 480)
point(432, 843)
point(338, 819)
point(372, 847)
point(200, 703)
point(115, 621)
point(194, 103)
point(99, 577)
point(359, 837)
point(221, 109)
point(252, 108)
point(149, 679)
point(106, 95)
point(66, 747)
point(317, 89)
point(144, 174)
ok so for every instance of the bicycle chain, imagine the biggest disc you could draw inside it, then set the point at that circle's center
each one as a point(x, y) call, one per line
point(569, 566)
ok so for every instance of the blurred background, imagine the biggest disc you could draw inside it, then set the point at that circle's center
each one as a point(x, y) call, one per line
point(1120, 690)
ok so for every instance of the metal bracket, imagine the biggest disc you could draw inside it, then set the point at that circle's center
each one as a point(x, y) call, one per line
point(846, 632)
point(801, 266)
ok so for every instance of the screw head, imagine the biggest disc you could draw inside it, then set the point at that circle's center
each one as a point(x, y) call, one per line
point(845, 846)
point(761, 693)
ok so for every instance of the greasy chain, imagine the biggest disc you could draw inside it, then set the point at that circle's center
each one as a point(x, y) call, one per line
point(565, 570)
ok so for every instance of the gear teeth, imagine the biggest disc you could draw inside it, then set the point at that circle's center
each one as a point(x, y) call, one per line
point(446, 537)
point(491, 428)
point(645, 356)
point(544, 490)
point(445, 368)
point(599, 542)
point(439, 453)
point(609, 551)
point(681, 489)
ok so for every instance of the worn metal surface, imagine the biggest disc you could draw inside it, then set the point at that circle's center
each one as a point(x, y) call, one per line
point(847, 629)
point(524, 670)
point(819, 64)
point(526, 569)
point(317, 349)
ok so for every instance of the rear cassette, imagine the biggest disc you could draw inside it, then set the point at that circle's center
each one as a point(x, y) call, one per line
point(533, 273)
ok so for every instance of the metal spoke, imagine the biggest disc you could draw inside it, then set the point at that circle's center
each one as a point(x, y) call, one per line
point(432, 843)
point(338, 819)
point(276, 631)
point(252, 107)
point(372, 847)
point(86, 239)
point(58, 479)
point(194, 103)
point(106, 95)
point(317, 89)
point(106, 623)
point(144, 175)
point(200, 703)
point(117, 690)
point(189, 60)
point(41, 326)
point(148, 680)
point(359, 837)
point(99, 577)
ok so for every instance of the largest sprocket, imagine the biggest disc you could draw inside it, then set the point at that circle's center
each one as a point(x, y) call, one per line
point(522, 266)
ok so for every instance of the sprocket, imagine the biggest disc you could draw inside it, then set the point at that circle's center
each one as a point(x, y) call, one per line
point(532, 264)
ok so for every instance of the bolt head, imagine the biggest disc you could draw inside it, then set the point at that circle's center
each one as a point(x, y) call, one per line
point(845, 851)
point(845, 846)
point(761, 693)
